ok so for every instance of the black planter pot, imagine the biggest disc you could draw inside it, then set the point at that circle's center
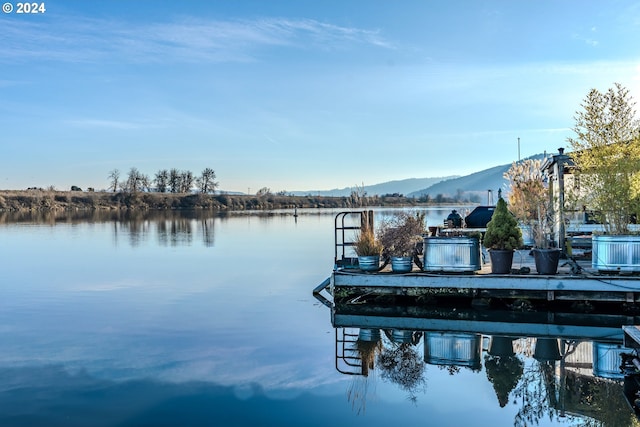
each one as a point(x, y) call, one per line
point(501, 346)
point(546, 260)
point(501, 261)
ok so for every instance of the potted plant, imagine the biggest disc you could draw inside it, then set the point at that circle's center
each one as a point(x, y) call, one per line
point(529, 202)
point(368, 248)
point(502, 237)
point(607, 154)
point(400, 237)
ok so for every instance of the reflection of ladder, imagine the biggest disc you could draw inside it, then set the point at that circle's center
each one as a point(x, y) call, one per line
point(346, 223)
point(348, 359)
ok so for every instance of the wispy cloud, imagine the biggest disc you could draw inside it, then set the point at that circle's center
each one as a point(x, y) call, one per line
point(100, 123)
point(190, 40)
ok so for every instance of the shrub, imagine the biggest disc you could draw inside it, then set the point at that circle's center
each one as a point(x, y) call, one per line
point(503, 232)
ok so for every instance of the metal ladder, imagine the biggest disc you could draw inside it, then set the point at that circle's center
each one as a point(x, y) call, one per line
point(345, 225)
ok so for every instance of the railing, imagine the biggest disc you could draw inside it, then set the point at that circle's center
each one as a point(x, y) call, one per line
point(346, 224)
point(348, 359)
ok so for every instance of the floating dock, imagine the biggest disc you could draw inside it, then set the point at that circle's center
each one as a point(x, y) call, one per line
point(576, 281)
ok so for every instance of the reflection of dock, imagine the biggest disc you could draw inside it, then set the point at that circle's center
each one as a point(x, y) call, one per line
point(600, 327)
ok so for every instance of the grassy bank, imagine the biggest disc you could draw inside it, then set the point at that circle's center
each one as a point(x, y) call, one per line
point(44, 200)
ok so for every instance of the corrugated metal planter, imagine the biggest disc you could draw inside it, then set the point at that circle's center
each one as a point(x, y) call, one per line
point(616, 253)
point(369, 262)
point(402, 336)
point(457, 349)
point(401, 264)
point(607, 360)
point(451, 254)
point(370, 335)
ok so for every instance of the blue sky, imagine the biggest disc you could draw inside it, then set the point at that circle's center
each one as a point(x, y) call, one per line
point(299, 95)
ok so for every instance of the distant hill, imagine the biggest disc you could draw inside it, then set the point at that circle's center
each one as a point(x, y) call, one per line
point(477, 183)
point(404, 186)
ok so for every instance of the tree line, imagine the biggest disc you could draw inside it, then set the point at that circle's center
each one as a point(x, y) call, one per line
point(164, 181)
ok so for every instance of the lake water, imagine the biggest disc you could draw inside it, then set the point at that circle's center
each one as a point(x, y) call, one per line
point(180, 319)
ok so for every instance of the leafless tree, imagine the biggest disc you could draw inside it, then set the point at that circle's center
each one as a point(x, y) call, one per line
point(114, 180)
point(264, 191)
point(162, 181)
point(186, 181)
point(174, 180)
point(206, 182)
point(134, 181)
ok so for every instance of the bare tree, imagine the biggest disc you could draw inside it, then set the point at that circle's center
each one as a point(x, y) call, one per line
point(206, 182)
point(162, 181)
point(145, 182)
point(264, 191)
point(134, 181)
point(114, 178)
point(174, 180)
point(186, 181)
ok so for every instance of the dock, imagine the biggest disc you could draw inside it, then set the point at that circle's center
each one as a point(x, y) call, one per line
point(583, 284)
point(575, 282)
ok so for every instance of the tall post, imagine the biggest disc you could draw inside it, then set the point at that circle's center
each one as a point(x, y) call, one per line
point(366, 220)
point(561, 228)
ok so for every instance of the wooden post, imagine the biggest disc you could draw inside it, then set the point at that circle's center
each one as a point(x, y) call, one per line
point(366, 220)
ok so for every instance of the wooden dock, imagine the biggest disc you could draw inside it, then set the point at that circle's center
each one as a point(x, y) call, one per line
point(575, 281)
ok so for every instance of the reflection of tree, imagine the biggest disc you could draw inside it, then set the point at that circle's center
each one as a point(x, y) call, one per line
point(451, 369)
point(402, 364)
point(368, 351)
point(548, 390)
point(600, 399)
point(503, 372)
point(537, 392)
point(208, 231)
point(359, 388)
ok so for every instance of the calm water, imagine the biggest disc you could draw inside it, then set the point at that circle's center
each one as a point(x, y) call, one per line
point(198, 319)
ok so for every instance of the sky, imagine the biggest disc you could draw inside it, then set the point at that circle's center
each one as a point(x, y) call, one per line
point(299, 95)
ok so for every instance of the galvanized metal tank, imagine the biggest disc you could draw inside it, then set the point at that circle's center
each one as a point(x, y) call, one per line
point(369, 262)
point(457, 349)
point(607, 360)
point(451, 254)
point(616, 253)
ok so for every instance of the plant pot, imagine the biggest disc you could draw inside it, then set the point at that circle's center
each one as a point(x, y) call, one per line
point(616, 253)
point(369, 262)
point(401, 264)
point(546, 350)
point(546, 260)
point(402, 336)
point(501, 346)
point(501, 261)
point(369, 335)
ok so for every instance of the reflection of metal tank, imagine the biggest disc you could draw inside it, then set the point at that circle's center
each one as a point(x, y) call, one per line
point(371, 335)
point(479, 217)
point(456, 349)
point(607, 360)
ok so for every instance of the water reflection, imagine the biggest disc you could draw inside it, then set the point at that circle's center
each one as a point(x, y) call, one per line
point(546, 366)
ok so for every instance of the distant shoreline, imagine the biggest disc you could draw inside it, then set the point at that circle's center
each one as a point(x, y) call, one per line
point(48, 200)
